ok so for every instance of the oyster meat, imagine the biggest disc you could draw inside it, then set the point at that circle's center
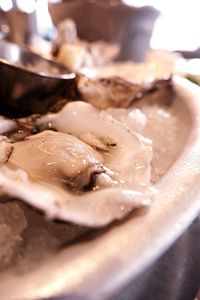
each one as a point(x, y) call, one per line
point(67, 179)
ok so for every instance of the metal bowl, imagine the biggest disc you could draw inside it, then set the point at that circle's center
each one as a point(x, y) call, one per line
point(28, 81)
point(98, 267)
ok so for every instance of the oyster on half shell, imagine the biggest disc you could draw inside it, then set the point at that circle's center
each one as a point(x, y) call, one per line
point(89, 165)
point(69, 179)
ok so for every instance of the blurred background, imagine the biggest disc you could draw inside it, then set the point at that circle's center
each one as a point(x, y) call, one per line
point(176, 24)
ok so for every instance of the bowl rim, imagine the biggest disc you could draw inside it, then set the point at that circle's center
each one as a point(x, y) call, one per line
point(98, 268)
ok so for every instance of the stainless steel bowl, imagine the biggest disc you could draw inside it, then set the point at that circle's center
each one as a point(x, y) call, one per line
point(98, 267)
point(29, 83)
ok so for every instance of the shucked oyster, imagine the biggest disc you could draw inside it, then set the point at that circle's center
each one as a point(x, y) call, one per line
point(88, 165)
point(118, 92)
point(125, 154)
point(75, 53)
point(56, 158)
point(67, 179)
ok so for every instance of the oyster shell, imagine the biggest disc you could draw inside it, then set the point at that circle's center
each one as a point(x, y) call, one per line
point(114, 91)
point(96, 208)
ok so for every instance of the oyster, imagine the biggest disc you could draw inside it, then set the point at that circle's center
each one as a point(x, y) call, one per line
point(75, 54)
point(66, 178)
point(56, 158)
point(125, 154)
point(90, 165)
point(118, 92)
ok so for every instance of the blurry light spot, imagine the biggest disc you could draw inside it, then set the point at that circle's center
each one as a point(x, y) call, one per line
point(44, 23)
point(27, 6)
point(55, 1)
point(6, 5)
point(178, 27)
point(14, 54)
